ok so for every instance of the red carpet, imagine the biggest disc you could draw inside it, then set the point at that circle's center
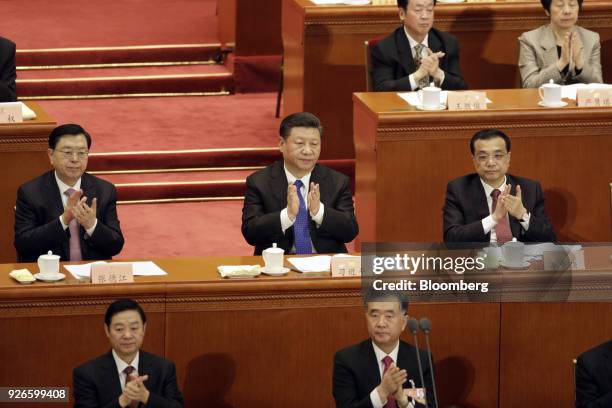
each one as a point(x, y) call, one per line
point(73, 23)
point(173, 123)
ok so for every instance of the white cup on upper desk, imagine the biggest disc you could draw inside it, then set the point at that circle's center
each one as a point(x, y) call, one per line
point(550, 93)
point(429, 97)
point(513, 253)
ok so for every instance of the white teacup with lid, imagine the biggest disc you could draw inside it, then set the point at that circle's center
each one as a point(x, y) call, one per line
point(513, 253)
point(429, 97)
point(273, 258)
point(48, 265)
point(550, 93)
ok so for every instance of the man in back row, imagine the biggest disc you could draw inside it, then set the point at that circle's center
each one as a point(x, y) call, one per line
point(416, 53)
point(66, 210)
point(491, 205)
point(300, 205)
point(8, 71)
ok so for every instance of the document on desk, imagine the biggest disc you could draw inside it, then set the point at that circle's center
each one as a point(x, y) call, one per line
point(318, 263)
point(145, 268)
point(413, 97)
point(570, 91)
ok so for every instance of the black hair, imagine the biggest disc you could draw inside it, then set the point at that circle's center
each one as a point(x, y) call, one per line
point(546, 4)
point(373, 295)
point(300, 119)
point(69, 129)
point(487, 134)
point(121, 305)
point(403, 4)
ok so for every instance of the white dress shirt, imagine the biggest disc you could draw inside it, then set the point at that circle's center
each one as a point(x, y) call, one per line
point(286, 222)
point(487, 223)
point(424, 53)
point(62, 189)
point(380, 355)
point(122, 365)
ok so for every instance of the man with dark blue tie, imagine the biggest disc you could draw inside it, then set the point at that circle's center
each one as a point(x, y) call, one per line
point(300, 205)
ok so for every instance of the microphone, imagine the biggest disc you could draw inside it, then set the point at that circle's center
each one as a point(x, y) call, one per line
point(426, 328)
point(413, 326)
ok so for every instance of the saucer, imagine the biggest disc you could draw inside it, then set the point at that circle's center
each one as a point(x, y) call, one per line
point(524, 265)
point(552, 105)
point(427, 108)
point(50, 278)
point(281, 273)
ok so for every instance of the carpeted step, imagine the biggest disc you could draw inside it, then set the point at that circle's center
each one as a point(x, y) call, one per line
point(178, 176)
point(117, 82)
point(183, 159)
point(53, 57)
point(195, 187)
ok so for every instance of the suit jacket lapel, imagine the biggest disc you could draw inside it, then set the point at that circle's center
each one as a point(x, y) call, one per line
point(108, 377)
point(279, 184)
point(371, 368)
point(319, 176)
point(404, 52)
point(479, 199)
point(56, 206)
point(515, 225)
point(549, 46)
point(145, 366)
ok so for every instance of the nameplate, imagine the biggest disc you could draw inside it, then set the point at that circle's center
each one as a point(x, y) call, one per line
point(10, 112)
point(467, 100)
point(594, 97)
point(346, 265)
point(562, 260)
point(116, 272)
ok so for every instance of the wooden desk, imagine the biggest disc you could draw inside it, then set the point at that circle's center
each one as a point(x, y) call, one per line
point(23, 154)
point(225, 336)
point(406, 157)
point(324, 52)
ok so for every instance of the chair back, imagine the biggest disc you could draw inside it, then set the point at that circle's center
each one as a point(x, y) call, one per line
point(368, 44)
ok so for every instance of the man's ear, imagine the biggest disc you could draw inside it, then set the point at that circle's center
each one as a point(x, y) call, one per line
point(401, 13)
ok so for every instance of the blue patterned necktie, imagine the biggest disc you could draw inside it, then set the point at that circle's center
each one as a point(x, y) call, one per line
point(301, 231)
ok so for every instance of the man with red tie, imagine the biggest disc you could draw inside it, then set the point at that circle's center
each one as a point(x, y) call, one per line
point(381, 372)
point(126, 376)
point(66, 210)
point(491, 205)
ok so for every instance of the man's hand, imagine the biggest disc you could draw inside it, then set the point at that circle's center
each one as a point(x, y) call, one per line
point(413, 393)
point(391, 381)
point(514, 204)
point(500, 210)
point(73, 200)
point(293, 202)
point(85, 215)
point(314, 199)
point(401, 397)
point(433, 64)
point(577, 47)
point(135, 390)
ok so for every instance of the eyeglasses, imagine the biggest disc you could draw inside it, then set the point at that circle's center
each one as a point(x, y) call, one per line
point(69, 154)
point(483, 158)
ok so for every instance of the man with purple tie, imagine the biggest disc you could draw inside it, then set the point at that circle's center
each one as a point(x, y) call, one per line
point(300, 205)
point(491, 205)
point(67, 211)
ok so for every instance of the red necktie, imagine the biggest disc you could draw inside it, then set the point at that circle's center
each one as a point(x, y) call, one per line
point(75, 240)
point(129, 370)
point(387, 361)
point(502, 229)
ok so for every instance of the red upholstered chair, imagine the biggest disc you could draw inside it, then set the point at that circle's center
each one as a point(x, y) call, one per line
point(368, 63)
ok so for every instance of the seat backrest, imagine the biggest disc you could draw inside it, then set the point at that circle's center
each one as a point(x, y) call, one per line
point(368, 44)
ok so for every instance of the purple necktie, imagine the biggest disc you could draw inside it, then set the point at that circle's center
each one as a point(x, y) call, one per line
point(75, 241)
point(502, 229)
point(387, 361)
point(301, 230)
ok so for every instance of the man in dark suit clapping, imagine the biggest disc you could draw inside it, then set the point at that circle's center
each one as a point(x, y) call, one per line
point(491, 205)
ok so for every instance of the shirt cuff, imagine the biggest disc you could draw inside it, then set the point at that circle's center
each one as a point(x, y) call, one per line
point(64, 226)
point(488, 224)
point(375, 399)
point(90, 231)
point(413, 84)
point(318, 217)
point(525, 223)
point(286, 222)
